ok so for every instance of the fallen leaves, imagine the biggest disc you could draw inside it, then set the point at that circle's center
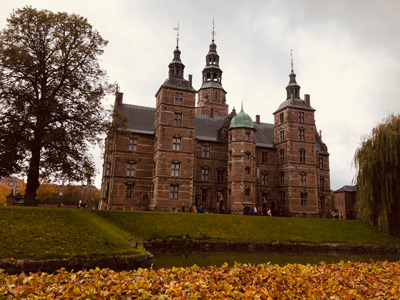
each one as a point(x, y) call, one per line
point(349, 280)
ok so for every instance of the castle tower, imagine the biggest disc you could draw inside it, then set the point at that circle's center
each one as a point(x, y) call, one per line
point(212, 96)
point(241, 164)
point(173, 146)
point(295, 140)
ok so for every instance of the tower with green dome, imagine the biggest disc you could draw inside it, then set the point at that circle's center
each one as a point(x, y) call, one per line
point(241, 163)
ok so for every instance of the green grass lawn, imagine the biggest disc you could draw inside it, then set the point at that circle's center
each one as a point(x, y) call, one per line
point(35, 232)
point(246, 228)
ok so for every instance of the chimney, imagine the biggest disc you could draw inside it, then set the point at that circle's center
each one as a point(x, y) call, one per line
point(118, 98)
point(190, 79)
point(258, 119)
point(292, 98)
point(307, 99)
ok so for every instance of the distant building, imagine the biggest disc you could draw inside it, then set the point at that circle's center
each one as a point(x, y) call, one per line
point(345, 199)
point(183, 152)
point(14, 183)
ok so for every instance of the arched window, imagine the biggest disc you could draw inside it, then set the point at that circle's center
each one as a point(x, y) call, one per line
point(173, 191)
point(205, 174)
point(247, 170)
point(303, 179)
point(302, 155)
point(264, 179)
point(282, 155)
point(176, 143)
point(302, 135)
point(303, 197)
point(130, 169)
point(248, 154)
point(175, 169)
point(129, 189)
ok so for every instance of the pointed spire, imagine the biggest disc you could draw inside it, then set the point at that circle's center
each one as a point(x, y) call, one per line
point(292, 87)
point(177, 35)
point(213, 31)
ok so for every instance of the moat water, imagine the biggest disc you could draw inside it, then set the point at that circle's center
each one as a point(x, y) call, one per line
point(164, 259)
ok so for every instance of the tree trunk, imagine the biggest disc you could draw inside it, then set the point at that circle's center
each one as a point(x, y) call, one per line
point(33, 177)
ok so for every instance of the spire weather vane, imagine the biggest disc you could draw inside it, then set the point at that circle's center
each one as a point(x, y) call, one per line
point(213, 31)
point(177, 35)
point(291, 58)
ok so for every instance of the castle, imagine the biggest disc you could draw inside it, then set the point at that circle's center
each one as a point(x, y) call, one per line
point(183, 153)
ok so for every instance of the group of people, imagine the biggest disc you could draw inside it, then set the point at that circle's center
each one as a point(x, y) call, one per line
point(192, 208)
point(258, 211)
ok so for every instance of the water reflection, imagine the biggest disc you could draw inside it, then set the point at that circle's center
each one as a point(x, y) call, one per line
point(216, 258)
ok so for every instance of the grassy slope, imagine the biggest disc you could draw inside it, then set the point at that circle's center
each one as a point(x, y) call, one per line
point(247, 228)
point(27, 232)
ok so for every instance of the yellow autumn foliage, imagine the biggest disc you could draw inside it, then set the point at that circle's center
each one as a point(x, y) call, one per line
point(351, 280)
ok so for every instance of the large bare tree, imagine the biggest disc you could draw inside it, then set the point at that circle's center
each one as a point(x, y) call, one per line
point(51, 87)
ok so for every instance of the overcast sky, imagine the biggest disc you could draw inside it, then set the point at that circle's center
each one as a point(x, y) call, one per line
point(346, 56)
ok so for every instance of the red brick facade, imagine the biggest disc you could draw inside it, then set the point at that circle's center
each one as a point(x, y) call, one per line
point(181, 154)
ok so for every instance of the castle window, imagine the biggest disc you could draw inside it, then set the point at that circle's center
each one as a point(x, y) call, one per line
point(230, 137)
point(248, 155)
point(283, 198)
point(281, 118)
point(216, 94)
point(178, 98)
point(205, 151)
point(302, 135)
point(133, 143)
point(173, 191)
point(130, 169)
point(282, 179)
point(303, 179)
point(176, 143)
point(247, 136)
point(129, 190)
point(175, 169)
point(247, 170)
point(229, 192)
point(303, 197)
point(301, 117)
point(302, 154)
point(204, 194)
point(230, 153)
point(322, 182)
point(282, 135)
point(264, 179)
point(230, 167)
point(152, 191)
point(220, 175)
point(247, 192)
point(264, 157)
point(108, 168)
point(282, 155)
point(205, 174)
point(177, 119)
point(154, 168)
point(321, 163)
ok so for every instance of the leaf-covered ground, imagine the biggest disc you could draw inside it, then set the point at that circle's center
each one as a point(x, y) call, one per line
point(379, 280)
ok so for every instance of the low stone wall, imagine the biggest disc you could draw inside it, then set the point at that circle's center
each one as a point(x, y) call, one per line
point(77, 263)
point(205, 245)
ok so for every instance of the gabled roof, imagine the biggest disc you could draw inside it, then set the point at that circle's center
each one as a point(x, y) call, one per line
point(347, 188)
point(298, 103)
point(141, 120)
